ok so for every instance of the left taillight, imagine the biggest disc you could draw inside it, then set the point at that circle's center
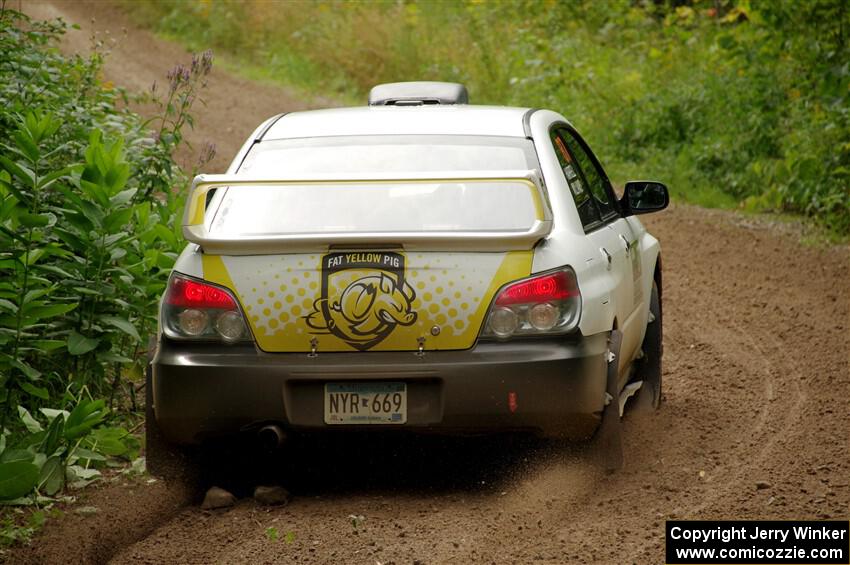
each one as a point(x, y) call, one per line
point(541, 305)
point(192, 309)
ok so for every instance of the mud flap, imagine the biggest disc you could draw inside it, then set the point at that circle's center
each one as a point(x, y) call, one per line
point(162, 459)
point(610, 437)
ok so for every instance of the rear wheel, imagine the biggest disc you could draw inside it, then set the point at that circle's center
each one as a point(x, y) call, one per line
point(649, 367)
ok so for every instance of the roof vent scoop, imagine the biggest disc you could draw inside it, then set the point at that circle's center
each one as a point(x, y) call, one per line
point(418, 94)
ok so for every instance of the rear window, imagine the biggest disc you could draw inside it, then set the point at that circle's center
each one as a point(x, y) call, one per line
point(377, 206)
point(387, 154)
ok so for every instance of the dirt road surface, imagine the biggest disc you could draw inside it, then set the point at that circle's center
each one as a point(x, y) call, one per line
point(756, 391)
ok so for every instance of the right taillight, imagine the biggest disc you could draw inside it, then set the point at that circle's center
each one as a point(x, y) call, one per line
point(193, 309)
point(541, 305)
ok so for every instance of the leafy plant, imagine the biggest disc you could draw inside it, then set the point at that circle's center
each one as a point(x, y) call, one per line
point(15, 529)
point(76, 279)
point(174, 113)
point(88, 235)
point(60, 448)
point(356, 520)
point(273, 534)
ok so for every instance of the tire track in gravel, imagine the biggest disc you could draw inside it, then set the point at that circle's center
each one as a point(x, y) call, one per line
point(756, 389)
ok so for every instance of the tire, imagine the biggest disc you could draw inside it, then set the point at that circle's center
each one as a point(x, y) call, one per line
point(649, 367)
point(163, 459)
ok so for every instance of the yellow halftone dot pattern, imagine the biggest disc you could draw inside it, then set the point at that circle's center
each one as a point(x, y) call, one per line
point(280, 307)
point(442, 271)
point(452, 290)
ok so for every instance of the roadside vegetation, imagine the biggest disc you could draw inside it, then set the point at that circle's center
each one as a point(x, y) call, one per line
point(734, 103)
point(88, 234)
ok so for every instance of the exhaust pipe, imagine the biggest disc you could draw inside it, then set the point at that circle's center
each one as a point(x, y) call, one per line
point(271, 436)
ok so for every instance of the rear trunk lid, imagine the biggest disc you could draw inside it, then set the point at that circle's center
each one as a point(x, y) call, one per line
point(368, 264)
point(366, 299)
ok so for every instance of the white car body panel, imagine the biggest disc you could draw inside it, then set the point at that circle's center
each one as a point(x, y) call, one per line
point(395, 120)
point(608, 295)
point(614, 294)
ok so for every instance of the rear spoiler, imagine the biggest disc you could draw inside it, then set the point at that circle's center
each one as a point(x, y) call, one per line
point(196, 229)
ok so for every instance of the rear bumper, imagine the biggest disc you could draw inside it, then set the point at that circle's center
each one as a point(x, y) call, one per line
point(205, 390)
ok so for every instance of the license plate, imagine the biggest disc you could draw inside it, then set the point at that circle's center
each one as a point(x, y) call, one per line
point(365, 403)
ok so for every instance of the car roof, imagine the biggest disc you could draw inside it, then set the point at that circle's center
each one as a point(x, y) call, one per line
point(432, 119)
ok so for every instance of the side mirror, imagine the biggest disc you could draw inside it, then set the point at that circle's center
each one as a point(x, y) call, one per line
point(643, 197)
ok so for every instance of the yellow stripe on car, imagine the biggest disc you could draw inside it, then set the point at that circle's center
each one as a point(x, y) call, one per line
point(375, 301)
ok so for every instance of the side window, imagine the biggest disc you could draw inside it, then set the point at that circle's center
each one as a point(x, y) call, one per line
point(594, 178)
point(587, 210)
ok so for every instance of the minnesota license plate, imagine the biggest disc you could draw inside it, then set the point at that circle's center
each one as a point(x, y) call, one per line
point(365, 403)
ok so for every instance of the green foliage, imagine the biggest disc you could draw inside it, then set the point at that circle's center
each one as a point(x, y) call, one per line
point(732, 102)
point(273, 534)
point(78, 283)
point(88, 235)
point(21, 528)
point(63, 448)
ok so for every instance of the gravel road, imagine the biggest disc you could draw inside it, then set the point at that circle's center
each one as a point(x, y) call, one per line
point(756, 391)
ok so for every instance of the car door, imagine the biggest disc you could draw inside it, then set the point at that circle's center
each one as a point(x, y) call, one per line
point(607, 229)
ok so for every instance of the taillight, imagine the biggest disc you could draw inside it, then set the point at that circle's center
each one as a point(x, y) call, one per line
point(193, 309)
point(545, 304)
point(192, 294)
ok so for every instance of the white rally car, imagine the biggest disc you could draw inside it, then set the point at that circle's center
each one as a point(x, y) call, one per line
point(419, 263)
